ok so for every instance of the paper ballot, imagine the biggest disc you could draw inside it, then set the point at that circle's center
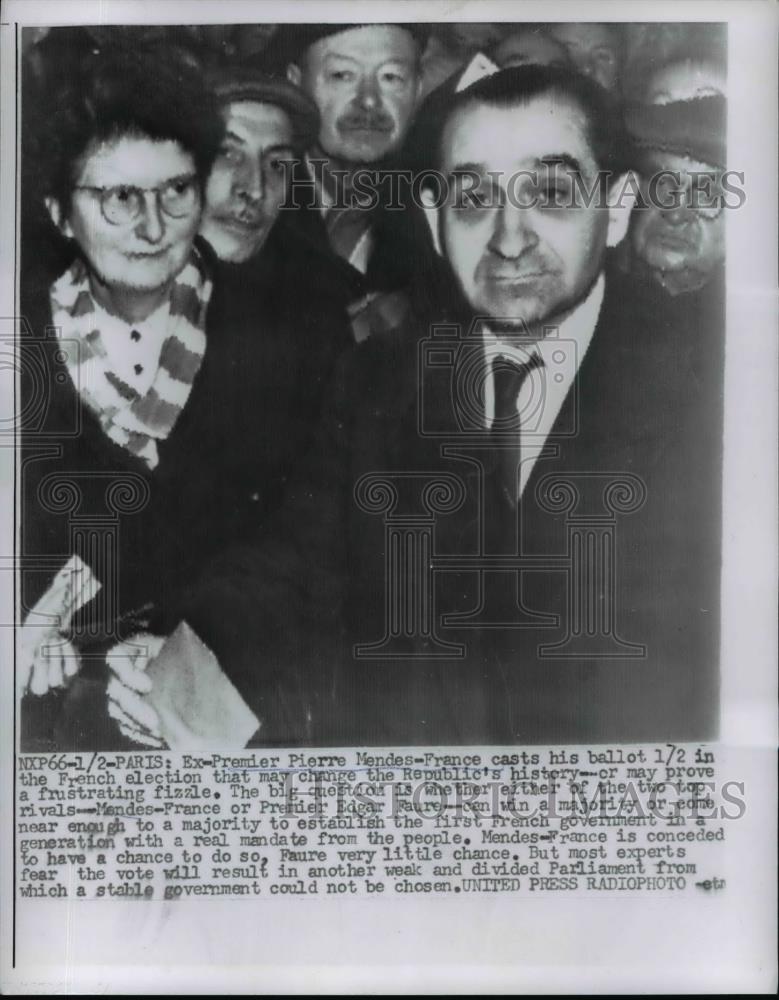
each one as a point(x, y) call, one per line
point(197, 703)
point(46, 658)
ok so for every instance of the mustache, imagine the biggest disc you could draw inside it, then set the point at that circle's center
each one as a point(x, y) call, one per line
point(242, 216)
point(670, 237)
point(369, 121)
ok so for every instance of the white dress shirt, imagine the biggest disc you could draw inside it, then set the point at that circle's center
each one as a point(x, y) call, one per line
point(544, 390)
point(134, 348)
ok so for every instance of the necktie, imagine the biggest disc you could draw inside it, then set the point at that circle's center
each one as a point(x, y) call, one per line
point(346, 227)
point(508, 379)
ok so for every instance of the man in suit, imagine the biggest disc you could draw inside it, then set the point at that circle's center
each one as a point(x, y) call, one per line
point(509, 528)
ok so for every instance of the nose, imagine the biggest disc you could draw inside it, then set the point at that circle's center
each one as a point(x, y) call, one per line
point(249, 181)
point(512, 234)
point(368, 93)
point(151, 226)
point(679, 215)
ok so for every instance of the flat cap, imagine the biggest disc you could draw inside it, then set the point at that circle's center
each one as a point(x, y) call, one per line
point(244, 83)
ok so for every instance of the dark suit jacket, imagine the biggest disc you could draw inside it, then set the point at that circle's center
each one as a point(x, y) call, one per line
point(401, 242)
point(629, 494)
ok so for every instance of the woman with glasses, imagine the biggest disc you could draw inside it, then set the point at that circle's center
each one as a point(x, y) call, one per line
point(114, 350)
point(145, 427)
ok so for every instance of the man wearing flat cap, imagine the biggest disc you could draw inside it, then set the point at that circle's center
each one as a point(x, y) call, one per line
point(268, 122)
point(365, 81)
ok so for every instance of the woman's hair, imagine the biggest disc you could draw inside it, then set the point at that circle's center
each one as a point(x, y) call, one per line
point(120, 93)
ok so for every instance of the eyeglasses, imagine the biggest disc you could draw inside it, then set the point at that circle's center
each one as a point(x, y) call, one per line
point(669, 194)
point(122, 204)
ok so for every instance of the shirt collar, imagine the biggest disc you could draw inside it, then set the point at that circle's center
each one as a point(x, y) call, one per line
point(324, 197)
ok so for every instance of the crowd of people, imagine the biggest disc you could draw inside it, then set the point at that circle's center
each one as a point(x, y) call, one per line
point(235, 245)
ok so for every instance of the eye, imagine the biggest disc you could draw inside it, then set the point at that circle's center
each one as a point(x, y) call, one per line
point(669, 191)
point(277, 165)
point(122, 194)
point(389, 76)
point(553, 191)
point(341, 75)
point(554, 195)
point(474, 200)
point(181, 186)
point(229, 154)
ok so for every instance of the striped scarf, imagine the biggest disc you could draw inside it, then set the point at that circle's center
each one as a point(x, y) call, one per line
point(133, 421)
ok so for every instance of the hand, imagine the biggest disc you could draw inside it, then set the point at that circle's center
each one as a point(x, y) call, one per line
point(126, 705)
point(48, 663)
point(46, 658)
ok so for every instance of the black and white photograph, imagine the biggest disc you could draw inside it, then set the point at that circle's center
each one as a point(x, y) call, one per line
point(372, 383)
point(389, 496)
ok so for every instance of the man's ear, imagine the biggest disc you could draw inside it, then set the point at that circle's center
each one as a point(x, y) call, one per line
point(622, 196)
point(432, 210)
point(295, 74)
point(54, 209)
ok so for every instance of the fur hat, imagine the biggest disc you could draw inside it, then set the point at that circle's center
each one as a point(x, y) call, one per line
point(695, 128)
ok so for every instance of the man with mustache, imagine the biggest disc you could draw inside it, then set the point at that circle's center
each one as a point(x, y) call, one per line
point(365, 82)
point(678, 239)
point(508, 531)
point(267, 124)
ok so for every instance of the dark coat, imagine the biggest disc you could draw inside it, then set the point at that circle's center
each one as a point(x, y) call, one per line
point(285, 616)
point(273, 334)
point(401, 242)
